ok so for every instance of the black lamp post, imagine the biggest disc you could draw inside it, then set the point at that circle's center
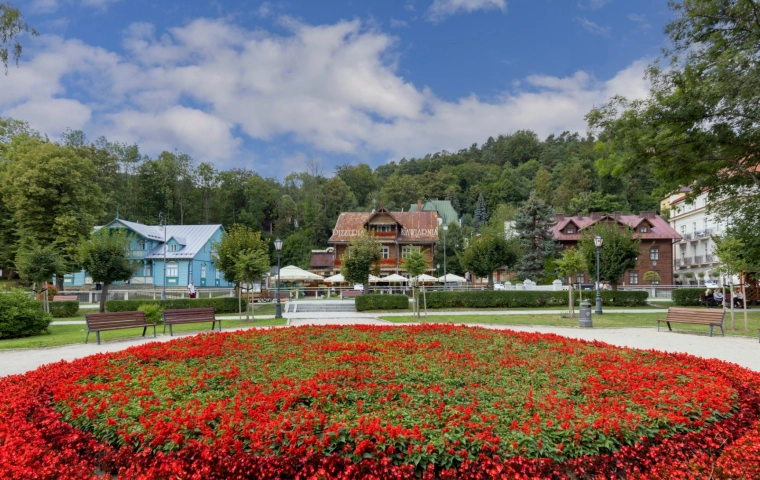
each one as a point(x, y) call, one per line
point(445, 228)
point(162, 224)
point(598, 242)
point(278, 309)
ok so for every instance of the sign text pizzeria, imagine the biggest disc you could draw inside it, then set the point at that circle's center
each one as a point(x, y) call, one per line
point(405, 232)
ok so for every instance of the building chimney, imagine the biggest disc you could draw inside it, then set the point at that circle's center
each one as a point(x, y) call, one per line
point(559, 216)
point(616, 215)
point(647, 214)
point(419, 205)
point(596, 215)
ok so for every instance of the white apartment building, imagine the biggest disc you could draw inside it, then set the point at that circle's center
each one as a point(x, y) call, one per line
point(694, 252)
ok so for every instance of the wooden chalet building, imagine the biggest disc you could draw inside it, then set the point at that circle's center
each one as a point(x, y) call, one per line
point(657, 238)
point(399, 233)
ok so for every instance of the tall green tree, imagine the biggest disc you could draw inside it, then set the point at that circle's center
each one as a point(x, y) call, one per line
point(533, 224)
point(363, 252)
point(12, 25)
point(570, 265)
point(39, 264)
point(239, 240)
point(53, 196)
point(481, 216)
point(619, 252)
point(105, 257)
point(361, 180)
point(487, 254)
point(699, 124)
point(733, 261)
point(454, 244)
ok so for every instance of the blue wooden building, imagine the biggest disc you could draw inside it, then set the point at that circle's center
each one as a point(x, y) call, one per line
point(188, 255)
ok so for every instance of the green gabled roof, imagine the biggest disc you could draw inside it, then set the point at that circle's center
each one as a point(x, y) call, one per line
point(443, 207)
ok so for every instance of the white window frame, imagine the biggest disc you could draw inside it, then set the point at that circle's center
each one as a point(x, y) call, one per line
point(217, 274)
point(172, 269)
point(383, 228)
point(386, 253)
point(203, 270)
point(631, 276)
point(141, 245)
point(569, 230)
point(580, 278)
point(643, 229)
point(406, 250)
point(654, 253)
point(172, 247)
point(148, 271)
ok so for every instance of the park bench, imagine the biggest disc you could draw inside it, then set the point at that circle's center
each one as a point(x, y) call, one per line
point(711, 317)
point(65, 298)
point(97, 322)
point(350, 293)
point(190, 315)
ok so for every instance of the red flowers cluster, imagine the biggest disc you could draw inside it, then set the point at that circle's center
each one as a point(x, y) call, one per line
point(390, 402)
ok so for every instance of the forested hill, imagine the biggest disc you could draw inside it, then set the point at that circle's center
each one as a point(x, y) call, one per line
point(303, 208)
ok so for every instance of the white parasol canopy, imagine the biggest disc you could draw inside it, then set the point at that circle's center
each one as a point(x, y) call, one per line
point(335, 279)
point(425, 278)
point(374, 279)
point(394, 278)
point(291, 273)
point(451, 278)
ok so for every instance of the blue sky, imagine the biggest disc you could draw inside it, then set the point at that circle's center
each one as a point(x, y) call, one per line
point(273, 85)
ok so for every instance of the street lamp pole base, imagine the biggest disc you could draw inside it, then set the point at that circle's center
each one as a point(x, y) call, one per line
point(598, 310)
point(278, 310)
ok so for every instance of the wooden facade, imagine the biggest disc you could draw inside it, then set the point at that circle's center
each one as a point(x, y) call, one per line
point(398, 232)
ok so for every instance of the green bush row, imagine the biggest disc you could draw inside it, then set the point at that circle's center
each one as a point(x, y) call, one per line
point(220, 305)
point(63, 309)
point(529, 299)
point(21, 315)
point(382, 302)
point(686, 297)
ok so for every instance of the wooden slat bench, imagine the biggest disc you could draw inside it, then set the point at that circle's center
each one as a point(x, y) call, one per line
point(97, 322)
point(694, 316)
point(190, 315)
point(64, 298)
point(350, 293)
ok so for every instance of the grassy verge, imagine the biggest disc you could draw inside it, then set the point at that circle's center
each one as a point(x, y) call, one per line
point(608, 320)
point(72, 334)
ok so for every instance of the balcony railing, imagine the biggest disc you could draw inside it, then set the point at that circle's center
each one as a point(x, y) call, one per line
point(687, 236)
point(704, 233)
point(710, 258)
point(687, 261)
point(699, 259)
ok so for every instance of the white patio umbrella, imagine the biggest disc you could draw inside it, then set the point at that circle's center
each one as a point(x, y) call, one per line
point(335, 279)
point(451, 278)
point(394, 278)
point(425, 278)
point(291, 273)
point(374, 279)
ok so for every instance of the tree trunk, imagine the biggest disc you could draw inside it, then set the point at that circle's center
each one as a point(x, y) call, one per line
point(424, 300)
point(365, 291)
point(104, 296)
point(613, 283)
point(248, 302)
point(490, 281)
point(59, 282)
point(744, 301)
point(570, 294)
point(240, 300)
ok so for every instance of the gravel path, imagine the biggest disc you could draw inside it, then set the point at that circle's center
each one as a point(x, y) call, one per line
point(739, 350)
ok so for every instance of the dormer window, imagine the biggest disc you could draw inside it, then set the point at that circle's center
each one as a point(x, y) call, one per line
point(141, 245)
point(643, 229)
point(383, 228)
point(172, 247)
point(569, 230)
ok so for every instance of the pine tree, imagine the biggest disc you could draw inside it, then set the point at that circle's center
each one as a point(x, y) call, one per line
point(533, 227)
point(481, 217)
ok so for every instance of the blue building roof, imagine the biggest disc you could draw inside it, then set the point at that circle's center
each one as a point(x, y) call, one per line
point(192, 238)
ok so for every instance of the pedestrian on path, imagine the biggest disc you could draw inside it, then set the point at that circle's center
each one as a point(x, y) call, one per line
point(191, 289)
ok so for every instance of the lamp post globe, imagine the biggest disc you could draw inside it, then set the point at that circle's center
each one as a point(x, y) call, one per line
point(445, 229)
point(598, 243)
point(278, 307)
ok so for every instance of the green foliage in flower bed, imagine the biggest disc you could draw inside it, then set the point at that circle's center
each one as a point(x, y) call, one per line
point(63, 309)
point(221, 305)
point(21, 316)
point(382, 302)
point(153, 312)
point(529, 299)
point(686, 297)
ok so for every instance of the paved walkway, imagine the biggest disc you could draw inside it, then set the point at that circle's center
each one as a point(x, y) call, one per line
point(739, 350)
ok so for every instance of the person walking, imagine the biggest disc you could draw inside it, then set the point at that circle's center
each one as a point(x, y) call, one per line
point(191, 289)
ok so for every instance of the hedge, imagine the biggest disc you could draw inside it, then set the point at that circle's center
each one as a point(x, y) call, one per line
point(21, 315)
point(529, 299)
point(686, 297)
point(63, 309)
point(220, 305)
point(382, 302)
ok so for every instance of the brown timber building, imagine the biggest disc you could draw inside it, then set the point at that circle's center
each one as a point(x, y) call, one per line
point(399, 233)
point(656, 236)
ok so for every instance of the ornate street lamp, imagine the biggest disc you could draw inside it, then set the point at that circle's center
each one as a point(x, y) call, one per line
point(598, 242)
point(162, 225)
point(654, 265)
point(278, 247)
point(438, 270)
point(445, 229)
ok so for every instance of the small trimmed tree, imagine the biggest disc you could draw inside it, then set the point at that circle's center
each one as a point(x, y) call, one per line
point(488, 253)
point(105, 257)
point(235, 241)
point(251, 265)
point(651, 277)
point(415, 265)
point(619, 253)
point(570, 265)
point(731, 251)
point(362, 254)
point(39, 264)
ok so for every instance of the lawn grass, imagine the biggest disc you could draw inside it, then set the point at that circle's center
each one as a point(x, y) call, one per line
point(607, 320)
point(72, 334)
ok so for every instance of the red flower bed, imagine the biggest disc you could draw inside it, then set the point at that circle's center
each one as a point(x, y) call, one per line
point(391, 402)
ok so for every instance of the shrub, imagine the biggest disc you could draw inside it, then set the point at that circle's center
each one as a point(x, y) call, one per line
point(153, 312)
point(529, 299)
point(687, 297)
point(63, 309)
point(382, 302)
point(220, 305)
point(21, 315)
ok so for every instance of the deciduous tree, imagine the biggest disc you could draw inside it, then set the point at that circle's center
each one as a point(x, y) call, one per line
point(487, 254)
point(570, 265)
point(362, 253)
point(12, 25)
point(39, 264)
point(415, 265)
point(619, 253)
point(105, 257)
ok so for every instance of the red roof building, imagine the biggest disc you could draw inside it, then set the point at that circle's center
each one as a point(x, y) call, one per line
point(399, 233)
point(656, 235)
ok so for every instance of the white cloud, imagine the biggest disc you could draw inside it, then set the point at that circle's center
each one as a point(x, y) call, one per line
point(641, 20)
point(395, 23)
point(441, 9)
point(594, 4)
point(592, 27)
point(101, 4)
point(205, 87)
point(44, 6)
